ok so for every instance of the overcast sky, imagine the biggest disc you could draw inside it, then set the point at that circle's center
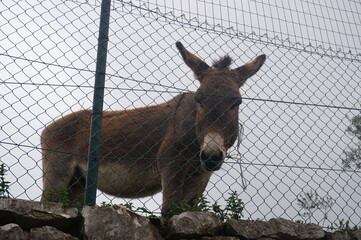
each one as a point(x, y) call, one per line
point(294, 110)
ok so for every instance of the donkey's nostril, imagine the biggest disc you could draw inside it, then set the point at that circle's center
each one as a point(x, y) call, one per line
point(213, 161)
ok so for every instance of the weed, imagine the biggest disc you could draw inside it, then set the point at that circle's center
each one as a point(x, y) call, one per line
point(4, 185)
point(60, 196)
point(344, 226)
point(104, 204)
point(233, 209)
point(235, 206)
point(311, 201)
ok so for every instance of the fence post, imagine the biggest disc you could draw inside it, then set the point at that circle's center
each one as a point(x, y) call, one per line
point(96, 122)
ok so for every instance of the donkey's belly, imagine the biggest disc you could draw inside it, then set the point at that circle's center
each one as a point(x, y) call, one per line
point(129, 179)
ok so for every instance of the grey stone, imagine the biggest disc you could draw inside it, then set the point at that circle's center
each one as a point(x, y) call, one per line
point(220, 238)
point(274, 228)
point(247, 228)
point(11, 231)
point(47, 233)
point(287, 228)
point(194, 224)
point(274, 238)
point(117, 222)
point(31, 214)
point(356, 235)
point(338, 236)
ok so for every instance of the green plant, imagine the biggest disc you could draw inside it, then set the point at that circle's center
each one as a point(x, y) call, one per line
point(4, 185)
point(311, 201)
point(148, 213)
point(235, 206)
point(300, 222)
point(352, 159)
point(60, 196)
point(200, 204)
point(344, 226)
point(130, 206)
point(104, 204)
point(221, 213)
point(233, 209)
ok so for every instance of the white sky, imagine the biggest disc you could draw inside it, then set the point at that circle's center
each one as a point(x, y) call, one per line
point(47, 59)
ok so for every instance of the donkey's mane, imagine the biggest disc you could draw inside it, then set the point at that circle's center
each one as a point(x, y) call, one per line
point(223, 63)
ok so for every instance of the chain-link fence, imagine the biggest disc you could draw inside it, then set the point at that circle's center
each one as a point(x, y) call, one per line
point(294, 114)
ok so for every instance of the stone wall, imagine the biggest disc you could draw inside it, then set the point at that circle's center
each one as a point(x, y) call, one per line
point(21, 219)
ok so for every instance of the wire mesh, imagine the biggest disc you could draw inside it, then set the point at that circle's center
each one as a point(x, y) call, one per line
point(294, 112)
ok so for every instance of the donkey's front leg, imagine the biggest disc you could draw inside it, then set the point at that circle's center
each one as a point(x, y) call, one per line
point(172, 167)
point(172, 188)
point(182, 181)
point(195, 183)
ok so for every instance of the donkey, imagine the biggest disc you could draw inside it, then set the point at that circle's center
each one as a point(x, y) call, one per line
point(172, 147)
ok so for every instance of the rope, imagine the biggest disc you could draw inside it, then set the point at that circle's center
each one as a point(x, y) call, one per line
point(238, 158)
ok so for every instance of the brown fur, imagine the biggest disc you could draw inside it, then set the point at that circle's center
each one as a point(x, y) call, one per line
point(151, 149)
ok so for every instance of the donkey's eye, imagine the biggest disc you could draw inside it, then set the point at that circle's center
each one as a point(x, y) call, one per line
point(236, 103)
point(200, 104)
point(199, 100)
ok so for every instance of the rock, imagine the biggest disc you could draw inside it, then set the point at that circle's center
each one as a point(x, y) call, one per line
point(275, 237)
point(288, 229)
point(220, 238)
point(277, 227)
point(30, 214)
point(47, 232)
point(11, 231)
point(194, 224)
point(338, 236)
point(247, 228)
point(356, 235)
point(117, 222)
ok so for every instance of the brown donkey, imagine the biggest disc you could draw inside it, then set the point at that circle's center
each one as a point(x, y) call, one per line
point(173, 147)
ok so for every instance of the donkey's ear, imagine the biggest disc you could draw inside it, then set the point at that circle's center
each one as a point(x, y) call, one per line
point(249, 69)
point(192, 61)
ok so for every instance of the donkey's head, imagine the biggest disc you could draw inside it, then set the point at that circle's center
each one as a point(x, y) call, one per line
point(218, 99)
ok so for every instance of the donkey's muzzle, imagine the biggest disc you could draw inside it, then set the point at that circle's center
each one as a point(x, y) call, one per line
point(212, 151)
point(212, 162)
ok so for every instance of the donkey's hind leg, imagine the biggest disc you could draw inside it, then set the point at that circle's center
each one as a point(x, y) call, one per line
point(57, 174)
point(77, 189)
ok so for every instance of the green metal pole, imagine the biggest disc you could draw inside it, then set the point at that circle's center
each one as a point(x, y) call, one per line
point(97, 115)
